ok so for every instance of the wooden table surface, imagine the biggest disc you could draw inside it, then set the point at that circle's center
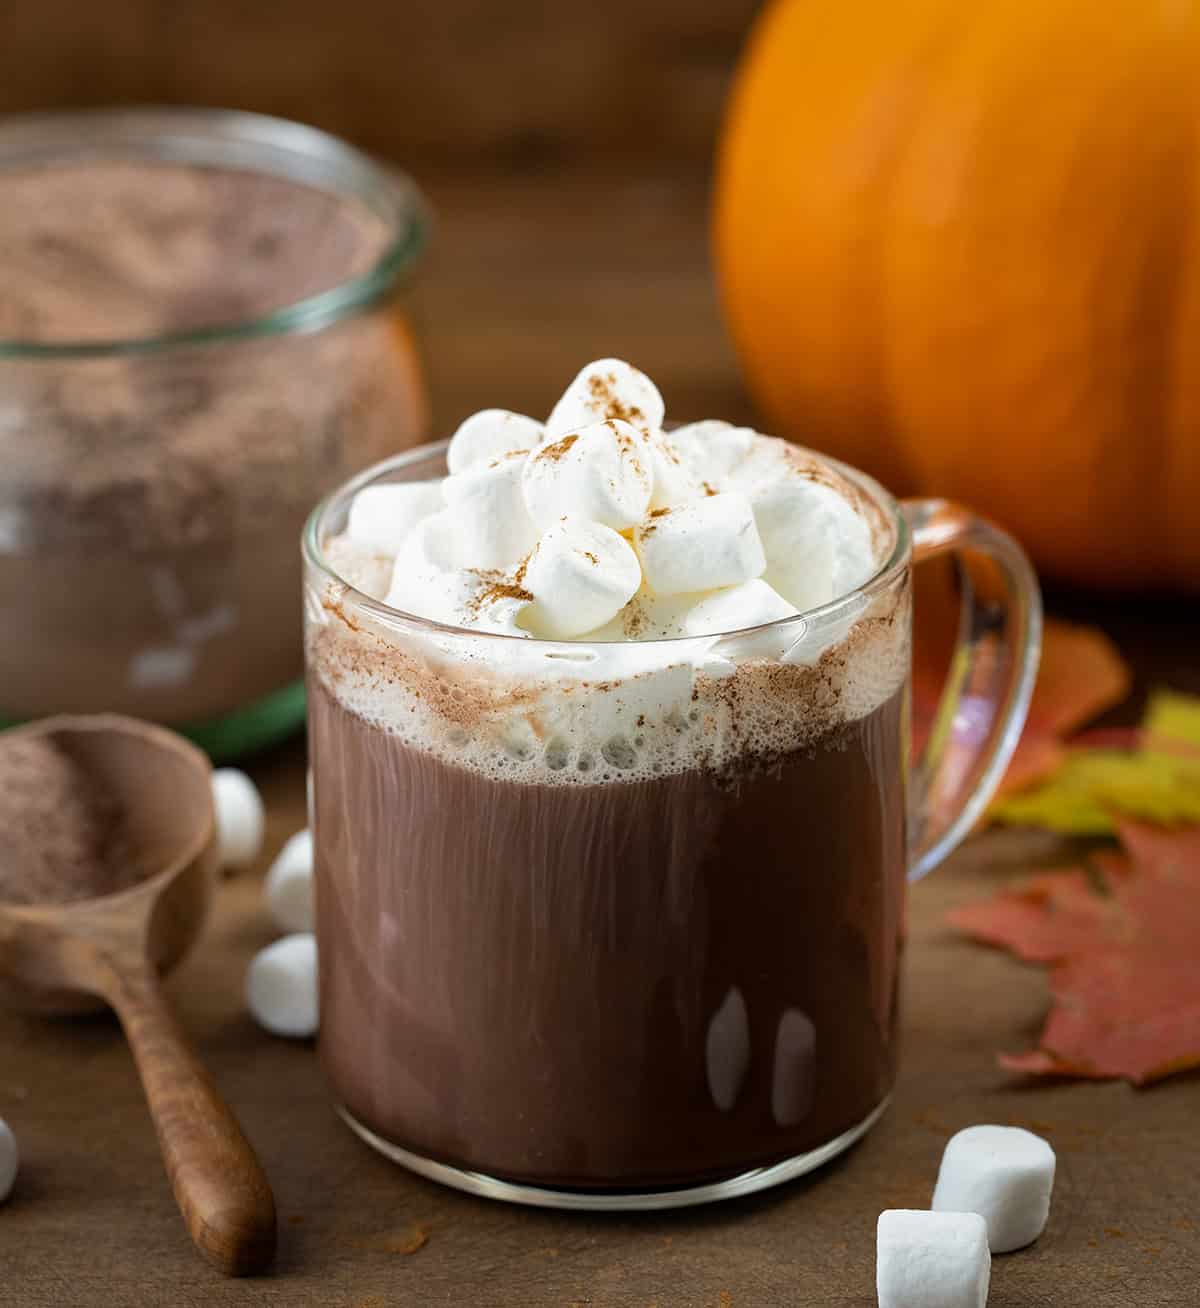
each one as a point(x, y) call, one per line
point(532, 277)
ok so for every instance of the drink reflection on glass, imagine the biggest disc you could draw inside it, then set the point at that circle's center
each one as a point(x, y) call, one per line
point(613, 919)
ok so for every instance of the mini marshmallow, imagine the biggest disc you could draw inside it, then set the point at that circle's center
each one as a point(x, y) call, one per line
point(425, 559)
point(382, 516)
point(712, 449)
point(289, 884)
point(360, 566)
point(702, 545)
point(673, 480)
point(490, 434)
point(462, 598)
point(428, 580)
point(432, 546)
point(240, 817)
point(580, 575)
point(493, 609)
point(488, 511)
point(749, 605)
point(1005, 1175)
point(607, 388)
point(817, 545)
point(601, 473)
point(428, 577)
point(752, 604)
point(931, 1260)
point(661, 615)
point(281, 986)
point(9, 1160)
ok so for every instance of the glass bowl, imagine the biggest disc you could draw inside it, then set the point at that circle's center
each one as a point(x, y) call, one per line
point(201, 333)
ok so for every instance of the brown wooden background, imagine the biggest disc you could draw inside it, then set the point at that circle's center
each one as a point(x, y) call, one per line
point(422, 81)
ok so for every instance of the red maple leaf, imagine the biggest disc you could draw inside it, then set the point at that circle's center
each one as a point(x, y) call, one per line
point(1124, 950)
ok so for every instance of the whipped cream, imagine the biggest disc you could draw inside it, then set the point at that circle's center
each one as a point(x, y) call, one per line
point(687, 567)
point(600, 516)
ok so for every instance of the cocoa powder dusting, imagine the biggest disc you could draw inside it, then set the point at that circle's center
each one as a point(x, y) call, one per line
point(552, 453)
point(651, 525)
point(61, 829)
point(604, 395)
point(505, 590)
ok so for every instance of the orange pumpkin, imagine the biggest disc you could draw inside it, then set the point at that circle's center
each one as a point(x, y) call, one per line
point(959, 246)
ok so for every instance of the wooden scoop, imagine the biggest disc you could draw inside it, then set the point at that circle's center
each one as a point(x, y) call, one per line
point(62, 958)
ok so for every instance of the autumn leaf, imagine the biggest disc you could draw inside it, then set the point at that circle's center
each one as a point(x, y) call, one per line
point(1171, 716)
point(1081, 674)
point(1123, 954)
point(1151, 772)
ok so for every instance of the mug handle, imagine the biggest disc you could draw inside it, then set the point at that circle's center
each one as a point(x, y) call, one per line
point(989, 685)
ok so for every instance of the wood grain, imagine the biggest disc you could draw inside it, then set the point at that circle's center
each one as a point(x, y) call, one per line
point(415, 80)
point(217, 1179)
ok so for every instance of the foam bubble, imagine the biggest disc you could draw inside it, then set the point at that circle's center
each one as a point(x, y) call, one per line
point(529, 712)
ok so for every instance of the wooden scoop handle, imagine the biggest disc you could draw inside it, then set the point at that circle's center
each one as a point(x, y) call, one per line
point(218, 1181)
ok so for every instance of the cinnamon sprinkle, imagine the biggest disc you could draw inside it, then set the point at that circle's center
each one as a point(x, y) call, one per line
point(502, 590)
point(604, 394)
point(649, 528)
point(556, 451)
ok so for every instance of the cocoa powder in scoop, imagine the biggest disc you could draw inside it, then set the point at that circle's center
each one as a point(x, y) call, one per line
point(61, 830)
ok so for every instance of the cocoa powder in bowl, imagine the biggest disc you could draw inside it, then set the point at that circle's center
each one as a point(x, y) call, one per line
point(61, 829)
point(162, 436)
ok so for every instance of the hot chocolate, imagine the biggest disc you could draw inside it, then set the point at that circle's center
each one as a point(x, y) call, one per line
point(621, 909)
point(615, 985)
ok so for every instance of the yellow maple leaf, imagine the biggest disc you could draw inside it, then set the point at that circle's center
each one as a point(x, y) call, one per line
point(1092, 787)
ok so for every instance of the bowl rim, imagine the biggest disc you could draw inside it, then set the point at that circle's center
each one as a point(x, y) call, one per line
point(233, 139)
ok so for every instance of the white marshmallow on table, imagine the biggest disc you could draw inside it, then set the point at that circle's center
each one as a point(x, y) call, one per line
point(289, 884)
point(1004, 1174)
point(9, 1160)
point(241, 820)
point(701, 545)
point(492, 527)
point(488, 435)
point(607, 388)
point(281, 986)
point(581, 574)
point(602, 473)
point(931, 1260)
point(382, 516)
point(712, 449)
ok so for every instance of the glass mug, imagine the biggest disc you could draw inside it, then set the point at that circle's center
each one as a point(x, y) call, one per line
point(617, 925)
